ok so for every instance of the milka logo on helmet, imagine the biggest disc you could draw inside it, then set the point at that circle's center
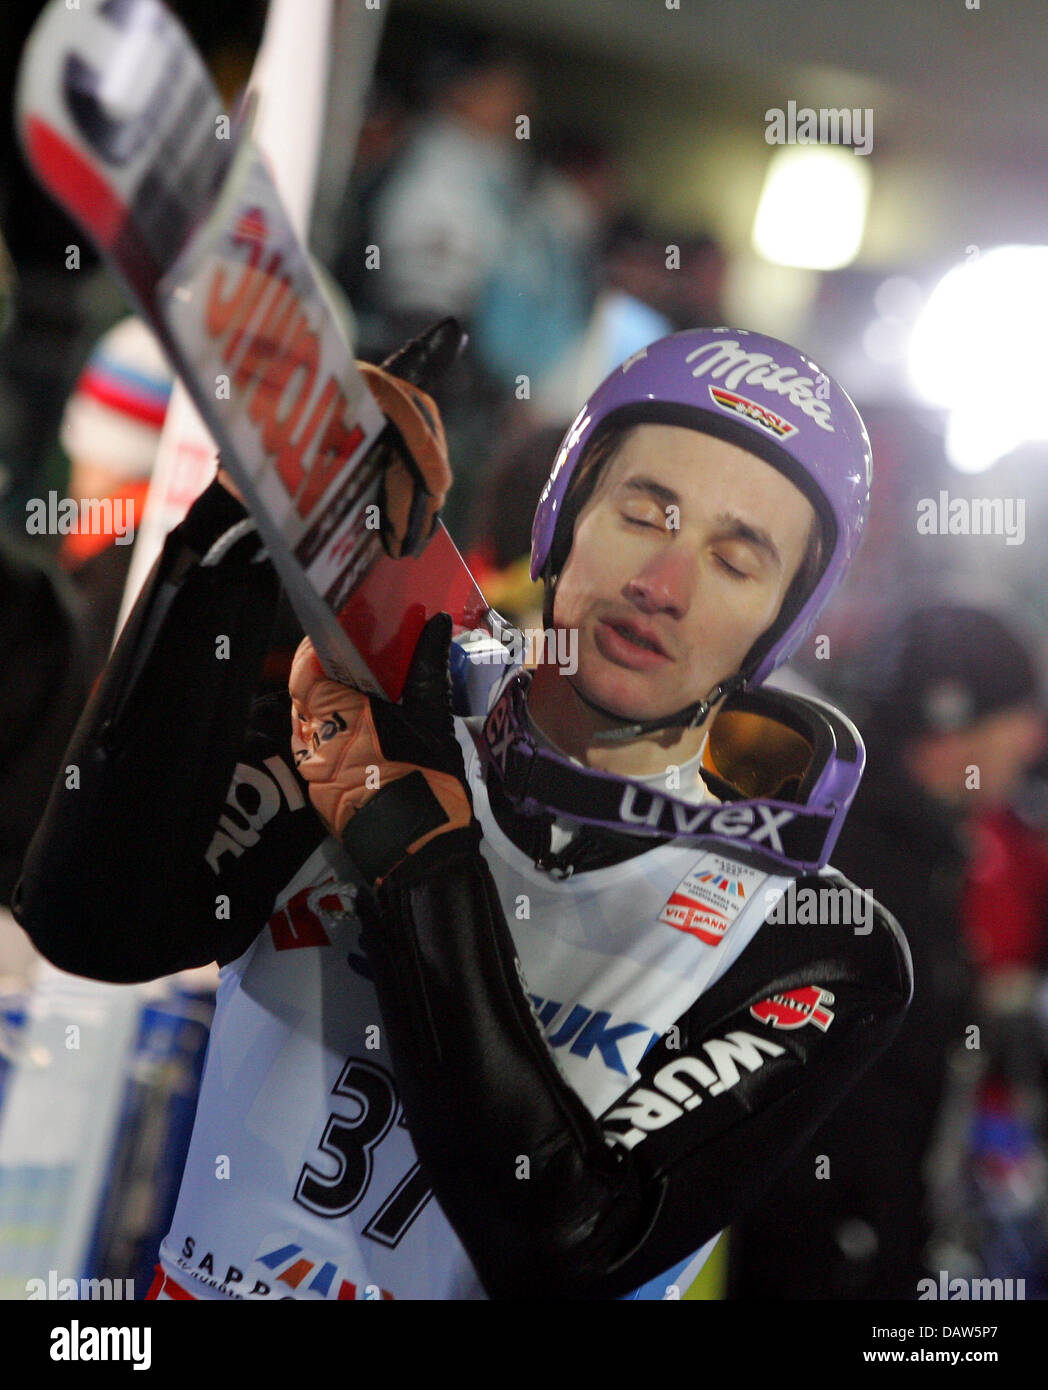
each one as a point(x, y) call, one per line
point(759, 414)
point(674, 818)
point(730, 362)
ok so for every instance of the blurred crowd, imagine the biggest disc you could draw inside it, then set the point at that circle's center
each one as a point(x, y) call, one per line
point(459, 208)
point(938, 1159)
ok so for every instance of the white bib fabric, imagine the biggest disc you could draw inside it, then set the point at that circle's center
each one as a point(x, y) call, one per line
point(301, 1179)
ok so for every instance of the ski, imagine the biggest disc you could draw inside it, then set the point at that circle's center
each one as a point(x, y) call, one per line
point(121, 123)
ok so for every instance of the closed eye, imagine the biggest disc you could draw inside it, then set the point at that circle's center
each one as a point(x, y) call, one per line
point(730, 569)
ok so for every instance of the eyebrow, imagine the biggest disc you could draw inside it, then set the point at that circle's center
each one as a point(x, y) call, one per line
point(733, 526)
point(661, 493)
point(740, 530)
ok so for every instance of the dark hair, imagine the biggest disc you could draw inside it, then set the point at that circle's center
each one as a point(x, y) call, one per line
point(505, 504)
point(582, 487)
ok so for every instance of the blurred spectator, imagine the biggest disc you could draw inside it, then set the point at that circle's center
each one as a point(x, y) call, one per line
point(55, 633)
point(443, 218)
point(652, 282)
point(695, 297)
point(998, 1207)
point(622, 322)
point(43, 691)
point(536, 305)
point(953, 722)
point(499, 551)
point(1005, 904)
point(110, 430)
point(679, 274)
point(383, 135)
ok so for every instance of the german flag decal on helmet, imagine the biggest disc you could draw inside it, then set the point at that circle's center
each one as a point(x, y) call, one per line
point(759, 414)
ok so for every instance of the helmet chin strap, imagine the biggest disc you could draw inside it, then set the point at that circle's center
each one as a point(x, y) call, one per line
point(687, 718)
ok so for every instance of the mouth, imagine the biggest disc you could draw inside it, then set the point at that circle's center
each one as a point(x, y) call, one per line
point(639, 635)
point(627, 643)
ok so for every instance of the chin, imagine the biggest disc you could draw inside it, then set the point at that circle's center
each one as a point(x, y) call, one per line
point(621, 697)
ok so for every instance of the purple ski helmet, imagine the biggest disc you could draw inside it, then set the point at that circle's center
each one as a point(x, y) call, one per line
point(752, 391)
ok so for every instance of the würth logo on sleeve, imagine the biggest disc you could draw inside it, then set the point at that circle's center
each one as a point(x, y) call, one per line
point(795, 1008)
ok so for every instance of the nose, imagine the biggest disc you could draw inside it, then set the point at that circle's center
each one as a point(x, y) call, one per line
point(664, 583)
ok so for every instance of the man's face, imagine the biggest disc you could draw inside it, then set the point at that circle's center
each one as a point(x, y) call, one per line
point(1000, 747)
point(680, 561)
point(1010, 742)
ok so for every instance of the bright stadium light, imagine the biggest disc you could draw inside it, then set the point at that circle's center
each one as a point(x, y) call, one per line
point(978, 350)
point(976, 437)
point(812, 209)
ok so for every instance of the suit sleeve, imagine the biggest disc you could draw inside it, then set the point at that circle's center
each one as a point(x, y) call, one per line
point(551, 1202)
point(176, 816)
point(43, 692)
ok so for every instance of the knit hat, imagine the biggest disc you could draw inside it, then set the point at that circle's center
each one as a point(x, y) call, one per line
point(116, 412)
point(944, 667)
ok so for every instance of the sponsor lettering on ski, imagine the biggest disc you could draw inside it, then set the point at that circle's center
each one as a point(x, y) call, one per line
point(306, 429)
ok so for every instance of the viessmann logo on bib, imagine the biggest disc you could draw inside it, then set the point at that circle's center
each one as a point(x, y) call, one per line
point(709, 898)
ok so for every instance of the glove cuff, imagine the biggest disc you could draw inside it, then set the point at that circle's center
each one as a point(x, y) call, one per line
point(380, 835)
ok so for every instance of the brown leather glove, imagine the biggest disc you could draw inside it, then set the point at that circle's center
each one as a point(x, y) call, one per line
point(385, 779)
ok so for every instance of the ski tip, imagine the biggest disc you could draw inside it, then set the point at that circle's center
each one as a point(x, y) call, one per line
point(425, 359)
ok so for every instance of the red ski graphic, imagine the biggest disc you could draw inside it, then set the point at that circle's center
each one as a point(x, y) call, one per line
point(121, 123)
